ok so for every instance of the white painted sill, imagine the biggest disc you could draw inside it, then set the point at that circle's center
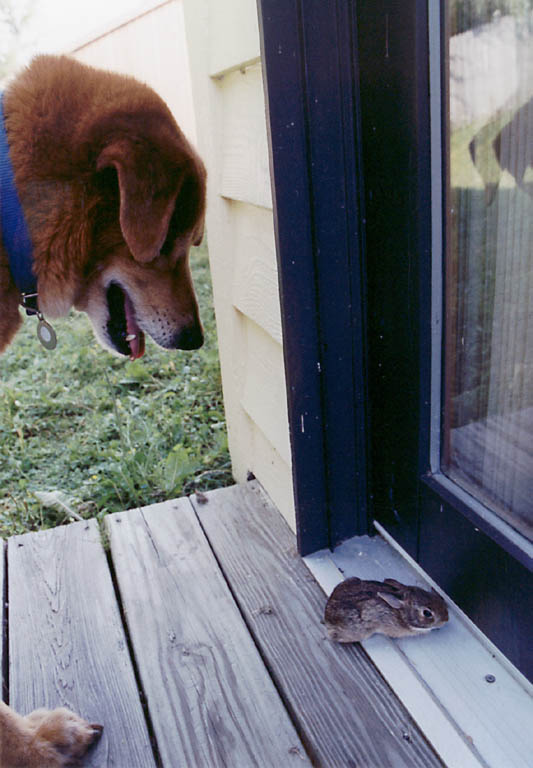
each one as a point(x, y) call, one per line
point(441, 677)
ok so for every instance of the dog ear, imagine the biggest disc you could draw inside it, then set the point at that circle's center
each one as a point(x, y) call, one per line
point(148, 191)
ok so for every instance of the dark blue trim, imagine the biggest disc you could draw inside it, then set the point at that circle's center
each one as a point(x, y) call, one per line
point(311, 78)
point(15, 235)
point(393, 56)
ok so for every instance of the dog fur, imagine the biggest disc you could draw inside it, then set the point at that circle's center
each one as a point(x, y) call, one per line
point(112, 193)
point(114, 196)
point(44, 739)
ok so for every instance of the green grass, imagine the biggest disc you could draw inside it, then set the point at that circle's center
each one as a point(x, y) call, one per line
point(83, 433)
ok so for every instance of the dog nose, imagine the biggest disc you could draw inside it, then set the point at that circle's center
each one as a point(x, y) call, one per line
point(191, 337)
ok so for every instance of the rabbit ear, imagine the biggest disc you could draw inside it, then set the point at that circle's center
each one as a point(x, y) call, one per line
point(391, 600)
point(394, 583)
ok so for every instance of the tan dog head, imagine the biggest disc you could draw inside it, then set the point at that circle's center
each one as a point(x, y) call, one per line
point(114, 196)
point(138, 278)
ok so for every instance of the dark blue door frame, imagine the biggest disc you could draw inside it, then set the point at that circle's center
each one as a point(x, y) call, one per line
point(311, 88)
point(355, 267)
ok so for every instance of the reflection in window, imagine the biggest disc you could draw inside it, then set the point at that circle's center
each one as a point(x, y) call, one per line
point(488, 407)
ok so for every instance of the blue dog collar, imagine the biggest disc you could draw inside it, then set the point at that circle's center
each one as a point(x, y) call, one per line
point(15, 234)
point(17, 241)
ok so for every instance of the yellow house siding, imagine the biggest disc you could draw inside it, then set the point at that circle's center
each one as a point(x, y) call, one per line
point(263, 397)
point(234, 35)
point(152, 48)
point(245, 173)
point(203, 57)
point(223, 44)
point(255, 274)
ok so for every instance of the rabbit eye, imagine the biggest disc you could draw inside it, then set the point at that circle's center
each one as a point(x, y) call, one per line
point(427, 613)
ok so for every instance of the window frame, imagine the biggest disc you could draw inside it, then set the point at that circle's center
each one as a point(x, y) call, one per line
point(488, 521)
point(480, 561)
point(365, 380)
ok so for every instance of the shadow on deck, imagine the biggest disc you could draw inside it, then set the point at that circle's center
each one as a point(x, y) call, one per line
point(193, 633)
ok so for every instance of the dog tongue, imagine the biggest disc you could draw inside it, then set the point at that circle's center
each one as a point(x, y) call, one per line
point(137, 343)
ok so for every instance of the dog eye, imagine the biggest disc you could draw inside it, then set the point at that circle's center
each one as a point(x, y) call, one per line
point(107, 180)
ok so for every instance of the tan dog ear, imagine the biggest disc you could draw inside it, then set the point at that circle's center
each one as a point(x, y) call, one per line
point(147, 195)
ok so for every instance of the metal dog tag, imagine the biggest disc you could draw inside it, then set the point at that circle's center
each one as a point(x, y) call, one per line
point(46, 334)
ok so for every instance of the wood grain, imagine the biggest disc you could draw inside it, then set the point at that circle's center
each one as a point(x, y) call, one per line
point(66, 642)
point(212, 700)
point(3, 614)
point(344, 711)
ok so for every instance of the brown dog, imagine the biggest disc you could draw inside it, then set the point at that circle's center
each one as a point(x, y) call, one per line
point(113, 197)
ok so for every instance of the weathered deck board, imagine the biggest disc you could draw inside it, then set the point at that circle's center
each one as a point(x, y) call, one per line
point(210, 693)
point(344, 711)
point(67, 646)
point(212, 699)
point(3, 617)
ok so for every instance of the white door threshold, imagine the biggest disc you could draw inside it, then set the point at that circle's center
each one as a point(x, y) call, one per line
point(472, 704)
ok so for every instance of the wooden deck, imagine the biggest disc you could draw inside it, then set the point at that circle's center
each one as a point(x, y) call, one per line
point(193, 633)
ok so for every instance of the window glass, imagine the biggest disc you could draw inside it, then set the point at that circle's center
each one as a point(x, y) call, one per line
point(488, 365)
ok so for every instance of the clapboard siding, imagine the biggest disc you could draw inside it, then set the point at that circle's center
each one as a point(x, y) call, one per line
point(4, 618)
point(263, 396)
point(245, 165)
point(255, 274)
point(152, 48)
point(231, 121)
point(274, 475)
point(236, 42)
point(67, 646)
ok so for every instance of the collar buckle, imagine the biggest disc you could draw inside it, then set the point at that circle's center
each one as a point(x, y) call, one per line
point(29, 302)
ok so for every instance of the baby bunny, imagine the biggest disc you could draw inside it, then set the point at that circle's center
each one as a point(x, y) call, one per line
point(357, 609)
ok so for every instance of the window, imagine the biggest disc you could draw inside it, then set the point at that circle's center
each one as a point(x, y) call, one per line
point(449, 301)
point(488, 371)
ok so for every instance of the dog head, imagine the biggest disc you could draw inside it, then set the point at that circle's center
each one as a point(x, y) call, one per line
point(114, 196)
point(152, 188)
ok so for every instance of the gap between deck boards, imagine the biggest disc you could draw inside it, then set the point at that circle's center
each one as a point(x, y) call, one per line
point(344, 711)
point(142, 696)
point(198, 663)
point(4, 667)
point(218, 632)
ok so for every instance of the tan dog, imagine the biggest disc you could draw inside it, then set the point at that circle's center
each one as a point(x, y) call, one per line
point(113, 196)
point(44, 739)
